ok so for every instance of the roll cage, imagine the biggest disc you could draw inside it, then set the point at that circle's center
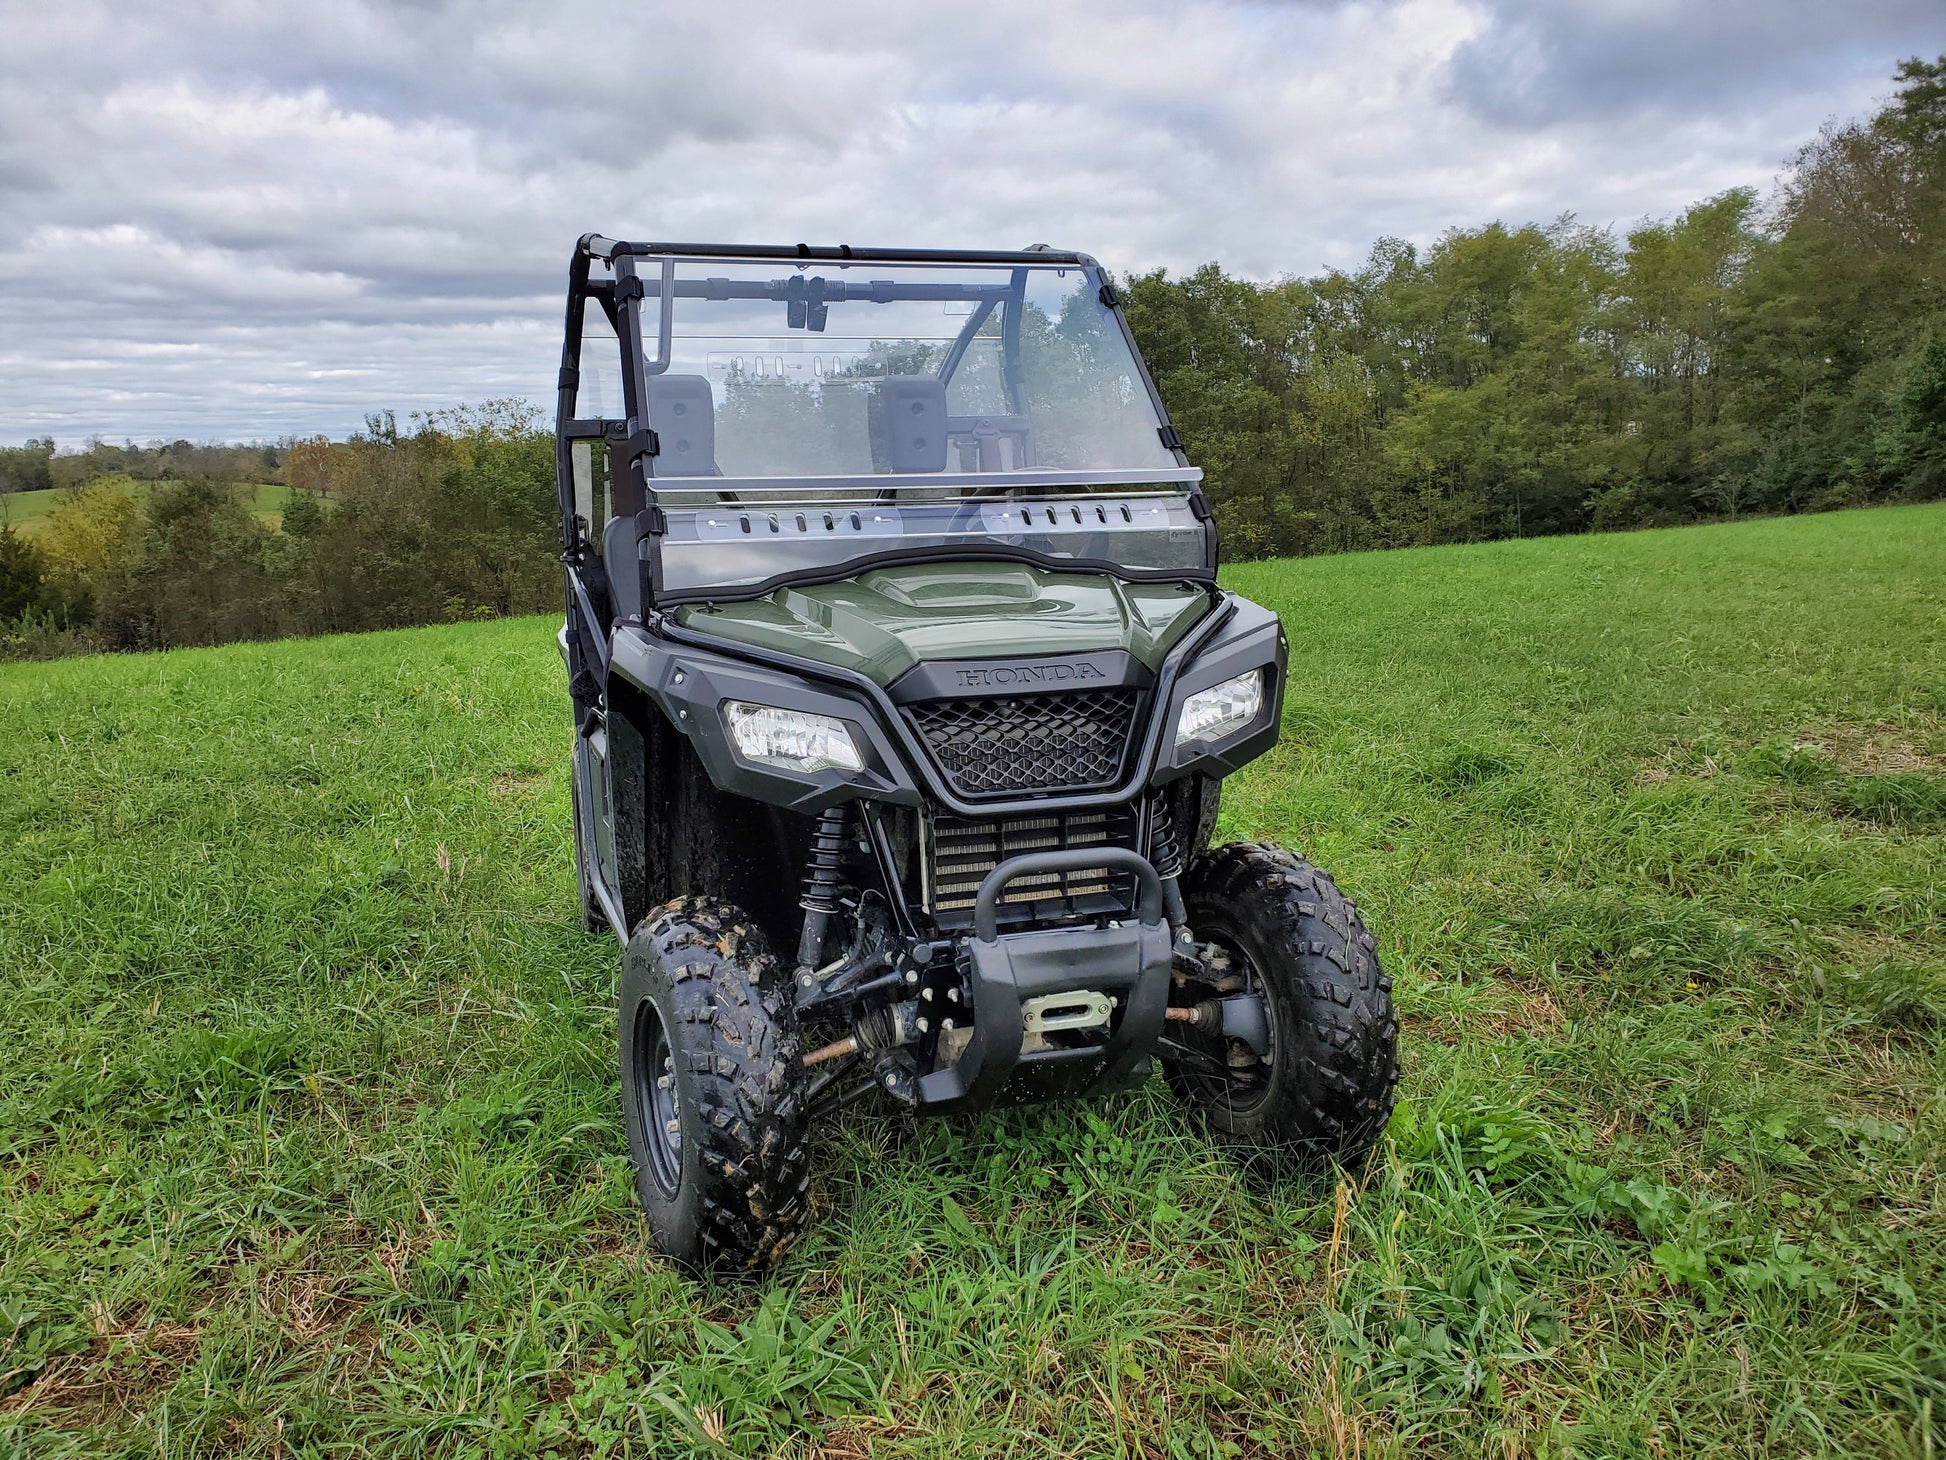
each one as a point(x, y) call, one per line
point(649, 523)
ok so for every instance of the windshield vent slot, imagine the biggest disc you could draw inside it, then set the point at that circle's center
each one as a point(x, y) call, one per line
point(1022, 743)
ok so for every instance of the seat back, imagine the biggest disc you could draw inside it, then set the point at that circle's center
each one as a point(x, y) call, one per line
point(621, 557)
point(912, 423)
point(682, 413)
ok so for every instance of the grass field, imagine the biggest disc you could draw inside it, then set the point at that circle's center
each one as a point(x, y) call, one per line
point(26, 511)
point(309, 1139)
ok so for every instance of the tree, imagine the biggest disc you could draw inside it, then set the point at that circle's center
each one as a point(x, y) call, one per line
point(309, 465)
point(23, 576)
point(91, 540)
point(205, 575)
point(25, 468)
point(303, 514)
point(1841, 306)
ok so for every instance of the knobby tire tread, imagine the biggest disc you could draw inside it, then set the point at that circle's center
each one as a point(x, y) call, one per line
point(734, 1034)
point(1340, 1075)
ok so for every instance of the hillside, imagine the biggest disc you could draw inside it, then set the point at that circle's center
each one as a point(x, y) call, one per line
point(311, 1136)
point(25, 512)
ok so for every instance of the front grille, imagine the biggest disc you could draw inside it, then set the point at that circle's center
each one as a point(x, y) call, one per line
point(959, 854)
point(997, 747)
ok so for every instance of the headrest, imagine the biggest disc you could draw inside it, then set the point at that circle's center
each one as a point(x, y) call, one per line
point(912, 423)
point(682, 413)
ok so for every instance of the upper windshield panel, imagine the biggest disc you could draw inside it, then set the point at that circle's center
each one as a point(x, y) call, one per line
point(767, 370)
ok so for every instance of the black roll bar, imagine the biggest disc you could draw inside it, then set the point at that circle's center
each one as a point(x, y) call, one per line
point(593, 245)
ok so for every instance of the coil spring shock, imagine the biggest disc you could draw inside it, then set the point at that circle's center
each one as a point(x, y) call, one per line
point(1166, 854)
point(820, 900)
point(1163, 850)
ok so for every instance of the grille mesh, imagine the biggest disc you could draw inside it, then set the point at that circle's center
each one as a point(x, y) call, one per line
point(961, 853)
point(992, 747)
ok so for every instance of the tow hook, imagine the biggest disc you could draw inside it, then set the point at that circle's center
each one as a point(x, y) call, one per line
point(1241, 1016)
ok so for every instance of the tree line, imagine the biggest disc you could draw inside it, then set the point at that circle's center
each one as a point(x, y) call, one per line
point(1776, 355)
point(451, 518)
point(39, 467)
point(1742, 357)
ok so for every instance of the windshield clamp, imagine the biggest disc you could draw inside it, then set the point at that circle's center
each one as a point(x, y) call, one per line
point(1171, 437)
point(642, 443)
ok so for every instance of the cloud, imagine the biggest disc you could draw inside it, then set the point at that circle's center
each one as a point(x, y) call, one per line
point(244, 218)
point(1542, 62)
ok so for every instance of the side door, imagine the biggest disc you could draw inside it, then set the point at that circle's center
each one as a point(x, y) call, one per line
point(588, 498)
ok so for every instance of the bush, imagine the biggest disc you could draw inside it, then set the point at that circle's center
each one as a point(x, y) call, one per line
point(23, 576)
point(92, 540)
point(205, 574)
point(453, 519)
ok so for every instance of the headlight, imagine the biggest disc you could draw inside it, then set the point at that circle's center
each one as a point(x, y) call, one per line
point(1210, 714)
point(791, 739)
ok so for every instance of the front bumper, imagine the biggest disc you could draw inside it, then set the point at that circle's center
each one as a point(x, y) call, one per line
point(1128, 962)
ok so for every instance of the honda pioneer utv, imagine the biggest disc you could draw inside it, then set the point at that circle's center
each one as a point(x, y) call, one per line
point(903, 690)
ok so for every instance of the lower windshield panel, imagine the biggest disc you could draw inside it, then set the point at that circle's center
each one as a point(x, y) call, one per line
point(739, 545)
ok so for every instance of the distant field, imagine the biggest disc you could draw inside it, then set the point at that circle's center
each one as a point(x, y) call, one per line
point(26, 511)
point(309, 1137)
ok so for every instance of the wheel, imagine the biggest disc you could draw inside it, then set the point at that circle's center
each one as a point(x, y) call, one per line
point(1274, 925)
point(711, 1089)
point(593, 916)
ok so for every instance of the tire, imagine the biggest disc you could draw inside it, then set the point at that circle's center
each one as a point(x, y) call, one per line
point(704, 1005)
point(594, 917)
point(1300, 946)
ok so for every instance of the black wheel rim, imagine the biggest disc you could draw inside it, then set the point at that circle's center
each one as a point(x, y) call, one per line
point(1239, 1094)
point(656, 1101)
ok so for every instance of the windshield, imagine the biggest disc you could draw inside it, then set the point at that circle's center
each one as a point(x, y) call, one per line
point(769, 371)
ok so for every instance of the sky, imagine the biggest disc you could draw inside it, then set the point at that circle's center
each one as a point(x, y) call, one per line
point(251, 219)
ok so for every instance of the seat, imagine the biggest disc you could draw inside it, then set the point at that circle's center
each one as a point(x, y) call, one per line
point(621, 558)
point(682, 413)
point(912, 423)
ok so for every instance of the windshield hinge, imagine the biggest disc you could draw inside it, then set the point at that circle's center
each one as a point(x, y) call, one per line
point(1109, 295)
point(1171, 437)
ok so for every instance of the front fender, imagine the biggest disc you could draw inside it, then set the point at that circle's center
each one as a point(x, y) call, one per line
point(1252, 637)
point(689, 685)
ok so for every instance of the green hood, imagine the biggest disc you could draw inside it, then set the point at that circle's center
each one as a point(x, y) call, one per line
point(883, 622)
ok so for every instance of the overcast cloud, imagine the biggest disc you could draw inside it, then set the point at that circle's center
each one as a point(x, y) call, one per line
point(249, 219)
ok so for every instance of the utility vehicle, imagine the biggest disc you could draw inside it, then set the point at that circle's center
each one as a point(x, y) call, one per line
point(903, 690)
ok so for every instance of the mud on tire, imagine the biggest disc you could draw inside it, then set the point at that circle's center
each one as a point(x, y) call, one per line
point(704, 1005)
point(1334, 1037)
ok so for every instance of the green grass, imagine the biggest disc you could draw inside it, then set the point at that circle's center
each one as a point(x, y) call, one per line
point(26, 512)
point(309, 1142)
